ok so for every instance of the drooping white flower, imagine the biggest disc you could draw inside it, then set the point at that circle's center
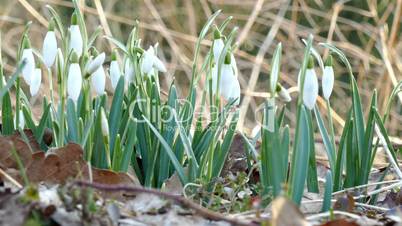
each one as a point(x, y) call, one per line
point(28, 57)
point(229, 87)
point(128, 71)
point(284, 94)
point(76, 42)
point(49, 49)
point(115, 73)
point(95, 63)
point(74, 80)
point(35, 81)
point(310, 88)
point(151, 61)
point(217, 45)
point(328, 79)
point(98, 80)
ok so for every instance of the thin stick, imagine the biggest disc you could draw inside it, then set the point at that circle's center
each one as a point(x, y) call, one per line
point(178, 198)
point(11, 179)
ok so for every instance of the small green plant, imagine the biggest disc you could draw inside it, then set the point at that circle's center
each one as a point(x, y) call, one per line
point(136, 128)
point(358, 142)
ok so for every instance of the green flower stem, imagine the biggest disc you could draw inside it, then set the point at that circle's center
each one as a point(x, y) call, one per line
point(330, 122)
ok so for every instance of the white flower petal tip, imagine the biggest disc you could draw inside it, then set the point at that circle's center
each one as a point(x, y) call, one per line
point(104, 123)
point(98, 80)
point(49, 50)
point(74, 82)
point(94, 64)
point(310, 89)
point(115, 73)
point(284, 95)
point(21, 123)
point(128, 71)
point(151, 61)
point(217, 48)
point(76, 42)
point(35, 82)
point(327, 82)
point(29, 68)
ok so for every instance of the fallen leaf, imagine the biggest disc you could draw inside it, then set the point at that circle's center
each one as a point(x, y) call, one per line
point(285, 213)
point(345, 203)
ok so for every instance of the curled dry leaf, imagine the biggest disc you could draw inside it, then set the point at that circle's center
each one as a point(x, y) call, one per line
point(55, 166)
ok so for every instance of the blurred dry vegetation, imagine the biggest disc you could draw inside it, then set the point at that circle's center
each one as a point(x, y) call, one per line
point(368, 31)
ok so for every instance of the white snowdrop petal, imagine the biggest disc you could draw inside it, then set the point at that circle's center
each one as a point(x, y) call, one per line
point(95, 63)
point(49, 50)
point(327, 81)
point(128, 71)
point(76, 42)
point(104, 124)
point(158, 65)
point(98, 80)
point(226, 81)
point(284, 95)
point(29, 68)
point(218, 46)
point(114, 73)
point(235, 91)
point(21, 123)
point(147, 62)
point(310, 90)
point(74, 82)
point(35, 81)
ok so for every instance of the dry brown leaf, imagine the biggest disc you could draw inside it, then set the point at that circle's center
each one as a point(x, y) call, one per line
point(285, 213)
point(56, 166)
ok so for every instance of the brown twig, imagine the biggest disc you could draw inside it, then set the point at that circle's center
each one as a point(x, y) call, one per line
point(180, 199)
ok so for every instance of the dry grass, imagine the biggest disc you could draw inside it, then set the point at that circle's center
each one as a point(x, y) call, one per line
point(368, 32)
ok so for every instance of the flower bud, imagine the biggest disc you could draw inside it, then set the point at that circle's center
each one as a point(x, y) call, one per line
point(115, 73)
point(95, 63)
point(74, 80)
point(310, 88)
point(28, 57)
point(98, 80)
point(104, 123)
point(76, 42)
point(283, 93)
point(328, 78)
point(49, 49)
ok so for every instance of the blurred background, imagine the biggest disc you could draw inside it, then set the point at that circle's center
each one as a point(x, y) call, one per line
point(368, 31)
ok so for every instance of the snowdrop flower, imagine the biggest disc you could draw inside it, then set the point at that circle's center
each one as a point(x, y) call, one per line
point(310, 88)
point(76, 42)
point(151, 61)
point(36, 80)
point(94, 64)
point(114, 70)
point(49, 49)
point(217, 45)
point(328, 78)
point(74, 80)
point(128, 71)
point(98, 80)
point(28, 57)
point(229, 87)
point(283, 93)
